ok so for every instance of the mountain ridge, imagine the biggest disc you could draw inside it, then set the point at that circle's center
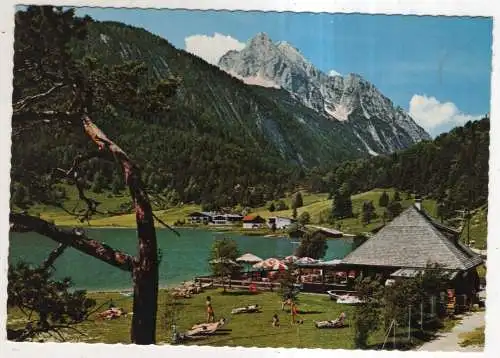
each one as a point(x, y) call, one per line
point(348, 98)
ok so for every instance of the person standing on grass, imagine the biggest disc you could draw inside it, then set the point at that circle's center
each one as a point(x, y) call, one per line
point(287, 301)
point(210, 310)
point(295, 312)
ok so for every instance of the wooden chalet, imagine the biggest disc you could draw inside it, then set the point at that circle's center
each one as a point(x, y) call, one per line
point(405, 246)
point(253, 222)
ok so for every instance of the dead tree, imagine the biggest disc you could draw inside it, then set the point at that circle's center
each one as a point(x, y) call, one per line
point(143, 267)
point(69, 95)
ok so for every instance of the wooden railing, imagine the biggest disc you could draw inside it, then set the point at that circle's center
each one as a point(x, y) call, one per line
point(238, 284)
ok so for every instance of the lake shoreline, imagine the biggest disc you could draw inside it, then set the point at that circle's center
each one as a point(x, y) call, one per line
point(183, 258)
point(215, 229)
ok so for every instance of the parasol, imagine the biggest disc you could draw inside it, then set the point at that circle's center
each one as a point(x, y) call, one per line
point(269, 264)
point(224, 260)
point(249, 258)
point(306, 260)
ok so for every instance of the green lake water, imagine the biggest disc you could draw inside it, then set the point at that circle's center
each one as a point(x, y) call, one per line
point(183, 257)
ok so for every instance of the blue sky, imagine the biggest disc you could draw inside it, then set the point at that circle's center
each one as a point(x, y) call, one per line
point(437, 68)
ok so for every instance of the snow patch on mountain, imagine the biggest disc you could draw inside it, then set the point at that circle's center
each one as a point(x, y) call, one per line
point(333, 73)
point(365, 112)
point(374, 134)
point(301, 120)
point(104, 38)
point(370, 150)
point(339, 112)
point(257, 80)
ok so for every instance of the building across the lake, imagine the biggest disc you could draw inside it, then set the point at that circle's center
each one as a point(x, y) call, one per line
point(328, 231)
point(405, 247)
point(213, 218)
point(280, 223)
point(253, 222)
point(226, 219)
point(200, 217)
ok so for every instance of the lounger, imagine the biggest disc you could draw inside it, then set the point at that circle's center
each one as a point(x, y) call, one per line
point(248, 309)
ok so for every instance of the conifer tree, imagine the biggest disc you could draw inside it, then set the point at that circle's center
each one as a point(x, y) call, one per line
point(383, 200)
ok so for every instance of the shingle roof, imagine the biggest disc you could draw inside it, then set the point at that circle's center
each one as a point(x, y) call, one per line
point(253, 219)
point(412, 240)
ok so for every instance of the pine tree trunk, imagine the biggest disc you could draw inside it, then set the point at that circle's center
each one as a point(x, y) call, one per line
point(145, 276)
point(145, 271)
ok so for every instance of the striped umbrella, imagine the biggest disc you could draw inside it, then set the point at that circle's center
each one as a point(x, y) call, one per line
point(268, 264)
point(306, 260)
point(280, 266)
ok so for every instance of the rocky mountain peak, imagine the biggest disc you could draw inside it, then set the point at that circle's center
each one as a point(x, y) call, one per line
point(349, 99)
point(260, 40)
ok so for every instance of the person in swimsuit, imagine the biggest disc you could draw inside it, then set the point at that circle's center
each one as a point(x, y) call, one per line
point(210, 310)
point(286, 302)
point(295, 313)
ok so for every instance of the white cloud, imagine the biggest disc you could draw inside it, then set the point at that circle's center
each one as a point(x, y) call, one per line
point(433, 115)
point(333, 73)
point(211, 48)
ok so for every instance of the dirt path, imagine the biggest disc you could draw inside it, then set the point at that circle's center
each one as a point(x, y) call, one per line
point(448, 342)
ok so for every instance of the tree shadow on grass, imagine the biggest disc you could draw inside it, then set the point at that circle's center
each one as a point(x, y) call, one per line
point(310, 312)
point(251, 336)
point(334, 329)
point(222, 333)
point(239, 293)
point(178, 303)
point(402, 343)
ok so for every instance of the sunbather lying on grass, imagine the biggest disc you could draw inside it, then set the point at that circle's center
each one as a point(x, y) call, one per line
point(210, 326)
point(247, 309)
point(200, 330)
point(112, 312)
point(336, 323)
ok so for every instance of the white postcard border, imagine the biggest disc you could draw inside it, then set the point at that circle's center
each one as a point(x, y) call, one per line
point(409, 7)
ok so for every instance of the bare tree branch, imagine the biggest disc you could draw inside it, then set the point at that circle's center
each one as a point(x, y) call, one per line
point(166, 225)
point(54, 254)
point(73, 174)
point(75, 239)
point(20, 105)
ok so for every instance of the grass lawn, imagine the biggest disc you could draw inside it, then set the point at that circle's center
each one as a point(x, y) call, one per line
point(450, 323)
point(474, 338)
point(315, 204)
point(478, 228)
point(247, 330)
